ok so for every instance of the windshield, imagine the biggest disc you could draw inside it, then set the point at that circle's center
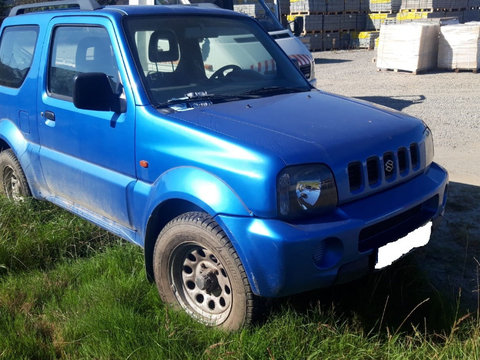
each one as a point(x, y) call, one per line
point(265, 12)
point(213, 58)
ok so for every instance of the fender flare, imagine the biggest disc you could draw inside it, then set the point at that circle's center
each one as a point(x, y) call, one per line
point(197, 186)
point(11, 135)
point(26, 152)
point(183, 185)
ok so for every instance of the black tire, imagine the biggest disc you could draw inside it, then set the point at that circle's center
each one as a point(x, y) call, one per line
point(13, 183)
point(197, 269)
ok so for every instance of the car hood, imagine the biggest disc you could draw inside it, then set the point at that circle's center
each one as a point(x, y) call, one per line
point(309, 127)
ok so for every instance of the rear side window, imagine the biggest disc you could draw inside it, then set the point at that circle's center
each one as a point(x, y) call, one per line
point(17, 47)
point(80, 49)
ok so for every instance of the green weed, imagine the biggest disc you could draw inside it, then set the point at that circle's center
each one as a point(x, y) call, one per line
point(69, 290)
point(37, 235)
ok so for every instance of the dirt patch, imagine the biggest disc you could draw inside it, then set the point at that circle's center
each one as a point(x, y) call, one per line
point(452, 257)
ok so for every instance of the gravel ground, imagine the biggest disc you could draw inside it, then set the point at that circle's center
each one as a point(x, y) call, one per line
point(449, 103)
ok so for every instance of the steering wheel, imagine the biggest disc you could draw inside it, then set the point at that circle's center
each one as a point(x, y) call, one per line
point(220, 73)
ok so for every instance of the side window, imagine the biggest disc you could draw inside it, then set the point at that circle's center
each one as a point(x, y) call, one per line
point(17, 47)
point(79, 49)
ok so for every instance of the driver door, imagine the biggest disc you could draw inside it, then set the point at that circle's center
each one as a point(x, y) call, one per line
point(87, 156)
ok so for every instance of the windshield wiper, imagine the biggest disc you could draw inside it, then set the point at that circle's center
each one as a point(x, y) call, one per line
point(203, 96)
point(275, 90)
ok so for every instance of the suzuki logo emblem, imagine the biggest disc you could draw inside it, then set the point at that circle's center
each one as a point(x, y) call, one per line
point(389, 166)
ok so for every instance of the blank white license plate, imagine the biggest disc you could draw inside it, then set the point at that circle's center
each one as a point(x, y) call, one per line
point(387, 254)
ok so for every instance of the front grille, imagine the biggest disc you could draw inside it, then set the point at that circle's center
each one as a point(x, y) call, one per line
point(395, 228)
point(355, 176)
point(402, 160)
point(306, 69)
point(388, 167)
point(414, 155)
point(373, 170)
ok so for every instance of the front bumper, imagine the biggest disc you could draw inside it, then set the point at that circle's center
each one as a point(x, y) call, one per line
point(283, 258)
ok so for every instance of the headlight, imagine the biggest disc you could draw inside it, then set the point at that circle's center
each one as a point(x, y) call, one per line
point(305, 190)
point(428, 146)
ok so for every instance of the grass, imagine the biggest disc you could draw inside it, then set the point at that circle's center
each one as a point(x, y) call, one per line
point(36, 235)
point(69, 290)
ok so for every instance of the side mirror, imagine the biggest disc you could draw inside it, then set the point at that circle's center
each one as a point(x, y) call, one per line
point(92, 91)
point(298, 25)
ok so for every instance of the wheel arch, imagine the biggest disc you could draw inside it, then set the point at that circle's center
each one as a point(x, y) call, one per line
point(161, 216)
point(12, 138)
point(4, 145)
point(181, 190)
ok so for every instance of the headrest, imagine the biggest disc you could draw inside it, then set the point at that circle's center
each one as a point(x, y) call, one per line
point(159, 54)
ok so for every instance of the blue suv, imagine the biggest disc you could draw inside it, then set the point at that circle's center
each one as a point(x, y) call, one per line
point(188, 131)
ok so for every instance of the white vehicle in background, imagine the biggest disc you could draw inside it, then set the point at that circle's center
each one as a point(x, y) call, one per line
point(268, 15)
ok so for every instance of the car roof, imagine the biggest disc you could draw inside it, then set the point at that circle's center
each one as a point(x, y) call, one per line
point(23, 15)
point(168, 9)
point(91, 7)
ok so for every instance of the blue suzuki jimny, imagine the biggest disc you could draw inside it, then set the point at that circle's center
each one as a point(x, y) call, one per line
point(188, 131)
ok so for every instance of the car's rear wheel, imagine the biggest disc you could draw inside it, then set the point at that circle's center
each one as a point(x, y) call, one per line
point(197, 268)
point(13, 181)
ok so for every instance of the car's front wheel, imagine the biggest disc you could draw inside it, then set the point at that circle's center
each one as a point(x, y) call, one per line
point(197, 268)
point(13, 181)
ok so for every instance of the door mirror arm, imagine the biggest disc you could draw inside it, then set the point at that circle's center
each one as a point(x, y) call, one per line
point(119, 103)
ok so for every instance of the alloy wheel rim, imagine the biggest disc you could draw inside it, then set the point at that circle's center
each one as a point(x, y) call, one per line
point(11, 184)
point(201, 284)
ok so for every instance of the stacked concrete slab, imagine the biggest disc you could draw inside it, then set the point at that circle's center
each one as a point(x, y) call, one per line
point(284, 6)
point(375, 20)
point(472, 13)
point(367, 39)
point(459, 47)
point(311, 23)
point(347, 19)
point(315, 41)
point(435, 8)
point(410, 47)
point(253, 10)
point(412, 10)
point(381, 11)
point(434, 4)
point(329, 22)
point(333, 22)
point(327, 6)
point(335, 6)
point(331, 40)
point(352, 5)
point(385, 5)
point(308, 6)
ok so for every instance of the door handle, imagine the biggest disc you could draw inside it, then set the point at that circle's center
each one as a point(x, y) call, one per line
point(49, 118)
point(49, 115)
